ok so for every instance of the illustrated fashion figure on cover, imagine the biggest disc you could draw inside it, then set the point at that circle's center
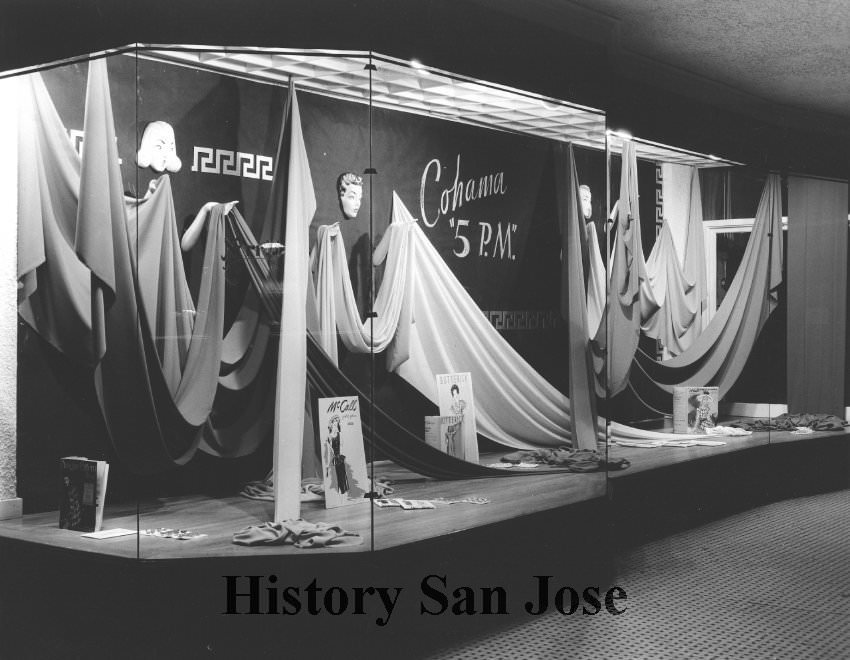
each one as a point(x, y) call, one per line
point(452, 432)
point(336, 460)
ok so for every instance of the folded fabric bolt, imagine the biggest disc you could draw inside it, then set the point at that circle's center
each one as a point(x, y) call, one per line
point(575, 460)
point(298, 532)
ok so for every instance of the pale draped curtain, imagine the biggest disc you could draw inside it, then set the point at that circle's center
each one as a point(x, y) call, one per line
point(665, 296)
point(515, 406)
point(103, 281)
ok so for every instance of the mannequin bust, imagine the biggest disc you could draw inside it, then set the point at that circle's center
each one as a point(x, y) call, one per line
point(350, 189)
point(585, 199)
point(157, 149)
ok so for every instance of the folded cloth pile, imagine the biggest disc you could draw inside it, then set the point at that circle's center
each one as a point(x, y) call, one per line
point(575, 460)
point(791, 421)
point(297, 532)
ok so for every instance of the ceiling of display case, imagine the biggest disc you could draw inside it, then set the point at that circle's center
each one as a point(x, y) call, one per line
point(662, 153)
point(397, 85)
point(409, 87)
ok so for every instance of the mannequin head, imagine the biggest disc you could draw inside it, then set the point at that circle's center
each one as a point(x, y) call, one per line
point(350, 189)
point(157, 149)
point(585, 199)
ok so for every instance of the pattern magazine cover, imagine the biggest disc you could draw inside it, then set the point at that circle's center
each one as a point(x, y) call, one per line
point(441, 432)
point(343, 457)
point(460, 438)
point(694, 409)
point(83, 493)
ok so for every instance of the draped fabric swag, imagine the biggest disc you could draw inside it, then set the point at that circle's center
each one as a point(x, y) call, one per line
point(337, 306)
point(673, 310)
point(108, 286)
point(102, 281)
point(616, 339)
point(515, 405)
point(665, 296)
point(718, 355)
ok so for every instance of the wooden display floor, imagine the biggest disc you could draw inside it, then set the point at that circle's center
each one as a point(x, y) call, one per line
point(219, 518)
point(380, 528)
point(643, 459)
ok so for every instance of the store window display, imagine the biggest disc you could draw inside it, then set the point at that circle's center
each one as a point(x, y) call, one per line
point(459, 292)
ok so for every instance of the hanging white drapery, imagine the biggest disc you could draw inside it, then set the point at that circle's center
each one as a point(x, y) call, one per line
point(595, 282)
point(337, 305)
point(673, 313)
point(515, 406)
point(671, 295)
point(717, 356)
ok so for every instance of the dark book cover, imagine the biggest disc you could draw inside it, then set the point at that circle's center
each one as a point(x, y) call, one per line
point(83, 483)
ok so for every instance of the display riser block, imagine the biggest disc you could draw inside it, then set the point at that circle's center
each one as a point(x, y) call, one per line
point(11, 508)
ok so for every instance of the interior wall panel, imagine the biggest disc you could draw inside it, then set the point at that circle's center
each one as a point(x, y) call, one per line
point(817, 295)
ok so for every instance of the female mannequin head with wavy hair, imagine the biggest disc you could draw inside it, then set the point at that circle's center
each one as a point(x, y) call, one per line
point(350, 189)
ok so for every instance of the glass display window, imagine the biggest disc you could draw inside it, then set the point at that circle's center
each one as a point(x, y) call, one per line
point(430, 212)
point(705, 355)
point(333, 301)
